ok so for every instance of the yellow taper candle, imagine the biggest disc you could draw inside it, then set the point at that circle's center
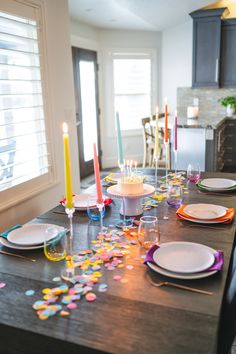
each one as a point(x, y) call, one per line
point(67, 167)
point(156, 134)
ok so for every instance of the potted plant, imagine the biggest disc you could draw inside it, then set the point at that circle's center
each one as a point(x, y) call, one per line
point(230, 103)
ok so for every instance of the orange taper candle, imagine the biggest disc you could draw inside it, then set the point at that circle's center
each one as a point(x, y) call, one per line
point(97, 174)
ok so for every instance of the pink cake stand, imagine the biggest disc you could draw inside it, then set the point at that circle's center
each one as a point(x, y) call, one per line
point(133, 203)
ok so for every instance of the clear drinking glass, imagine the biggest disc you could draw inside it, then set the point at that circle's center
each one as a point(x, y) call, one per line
point(148, 231)
point(174, 195)
point(55, 244)
point(193, 172)
point(93, 211)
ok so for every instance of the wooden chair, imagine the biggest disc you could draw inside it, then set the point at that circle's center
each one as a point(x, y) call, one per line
point(148, 142)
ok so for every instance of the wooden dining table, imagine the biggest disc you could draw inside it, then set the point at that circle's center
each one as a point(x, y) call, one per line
point(130, 317)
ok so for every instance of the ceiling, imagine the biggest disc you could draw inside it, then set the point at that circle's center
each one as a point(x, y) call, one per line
point(147, 15)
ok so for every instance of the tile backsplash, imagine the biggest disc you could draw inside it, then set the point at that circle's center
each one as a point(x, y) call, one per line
point(209, 107)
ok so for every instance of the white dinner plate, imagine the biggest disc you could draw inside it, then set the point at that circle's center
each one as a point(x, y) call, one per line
point(8, 244)
point(201, 221)
point(81, 201)
point(33, 234)
point(205, 211)
point(179, 275)
point(176, 275)
point(218, 183)
point(183, 257)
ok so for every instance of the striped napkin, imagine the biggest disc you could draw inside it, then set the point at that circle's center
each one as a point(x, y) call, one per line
point(226, 219)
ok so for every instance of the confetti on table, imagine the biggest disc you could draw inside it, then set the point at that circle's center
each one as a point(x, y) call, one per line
point(107, 253)
point(90, 297)
point(124, 280)
point(130, 267)
point(71, 306)
point(56, 279)
point(102, 287)
point(29, 292)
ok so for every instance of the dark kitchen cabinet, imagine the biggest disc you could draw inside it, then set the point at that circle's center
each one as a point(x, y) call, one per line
point(207, 47)
point(228, 53)
point(225, 143)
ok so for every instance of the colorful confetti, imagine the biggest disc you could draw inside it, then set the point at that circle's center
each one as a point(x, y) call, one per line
point(107, 253)
point(90, 297)
point(56, 279)
point(29, 292)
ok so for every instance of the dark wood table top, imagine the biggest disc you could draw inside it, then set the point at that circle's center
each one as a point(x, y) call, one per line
point(133, 317)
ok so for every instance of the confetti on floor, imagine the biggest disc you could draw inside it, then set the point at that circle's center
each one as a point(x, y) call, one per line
point(2, 285)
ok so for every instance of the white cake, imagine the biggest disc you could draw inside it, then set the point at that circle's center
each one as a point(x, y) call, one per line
point(130, 185)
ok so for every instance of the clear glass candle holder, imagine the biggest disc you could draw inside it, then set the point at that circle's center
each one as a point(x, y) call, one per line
point(193, 172)
point(95, 211)
point(148, 231)
point(55, 244)
point(174, 196)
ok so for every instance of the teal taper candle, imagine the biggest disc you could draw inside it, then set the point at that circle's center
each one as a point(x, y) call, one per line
point(119, 141)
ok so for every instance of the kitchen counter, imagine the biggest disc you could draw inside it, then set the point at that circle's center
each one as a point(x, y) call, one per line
point(202, 123)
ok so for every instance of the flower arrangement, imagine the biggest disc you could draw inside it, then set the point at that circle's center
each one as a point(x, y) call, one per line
point(228, 101)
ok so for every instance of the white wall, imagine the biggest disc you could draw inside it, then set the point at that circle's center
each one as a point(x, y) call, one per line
point(117, 40)
point(176, 61)
point(103, 41)
point(61, 100)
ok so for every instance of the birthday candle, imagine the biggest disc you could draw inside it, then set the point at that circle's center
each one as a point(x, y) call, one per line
point(119, 140)
point(67, 167)
point(97, 175)
point(166, 122)
point(175, 131)
point(156, 135)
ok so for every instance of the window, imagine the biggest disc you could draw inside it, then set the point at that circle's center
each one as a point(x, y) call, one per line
point(132, 89)
point(24, 149)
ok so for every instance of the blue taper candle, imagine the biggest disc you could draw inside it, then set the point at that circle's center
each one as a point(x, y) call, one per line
point(119, 141)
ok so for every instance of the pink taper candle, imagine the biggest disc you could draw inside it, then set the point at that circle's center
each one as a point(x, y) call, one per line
point(166, 133)
point(97, 174)
point(175, 131)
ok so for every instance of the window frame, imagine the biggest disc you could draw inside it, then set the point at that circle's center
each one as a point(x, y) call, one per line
point(134, 53)
point(17, 194)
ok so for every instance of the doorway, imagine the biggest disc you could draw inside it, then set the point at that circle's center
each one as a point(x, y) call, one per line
point(87, 111)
